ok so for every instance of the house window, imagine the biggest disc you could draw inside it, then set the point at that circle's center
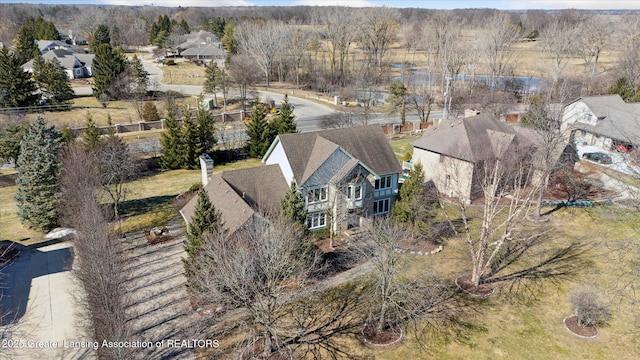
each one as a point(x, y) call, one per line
point(447, 181)
point(587, 117)
point(317, 195)
point(316, 220)
point(384, 182)
point(441, 159)
point(354, 192)
point(381, 207)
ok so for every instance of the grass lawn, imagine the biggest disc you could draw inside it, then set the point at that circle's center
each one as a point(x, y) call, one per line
point(151, 201)
point(531, 327)
point(402, 146)
point(10, 226)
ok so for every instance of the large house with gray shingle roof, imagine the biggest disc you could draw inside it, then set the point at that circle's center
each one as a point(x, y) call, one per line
point(345, 175)
point(76, 65)
point(602, 121)
point(453, 151)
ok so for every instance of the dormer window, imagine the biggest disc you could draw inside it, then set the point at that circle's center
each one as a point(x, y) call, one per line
point(588, 117)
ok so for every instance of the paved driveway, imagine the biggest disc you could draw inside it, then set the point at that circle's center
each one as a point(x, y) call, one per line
point(38, 292)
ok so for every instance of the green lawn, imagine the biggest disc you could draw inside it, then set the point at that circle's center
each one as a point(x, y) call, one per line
point(531, 327)
point(402, 146)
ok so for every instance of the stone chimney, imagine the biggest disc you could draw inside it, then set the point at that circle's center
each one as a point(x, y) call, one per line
point(206, 166)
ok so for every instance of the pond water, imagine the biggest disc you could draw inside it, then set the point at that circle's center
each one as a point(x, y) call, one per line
point(522, 84)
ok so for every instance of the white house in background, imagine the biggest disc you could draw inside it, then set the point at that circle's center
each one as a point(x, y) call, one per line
point(76, 65)
point(345, 175)
point(604, 121)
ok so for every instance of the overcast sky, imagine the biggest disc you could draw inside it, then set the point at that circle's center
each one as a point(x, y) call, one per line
point(434, 4)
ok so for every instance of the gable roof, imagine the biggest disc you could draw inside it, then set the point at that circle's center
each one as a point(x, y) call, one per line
point(209, 50)
point(307, 151)
point(471, 139)
point(616, 119)
point(240, 194)
point(67, 59)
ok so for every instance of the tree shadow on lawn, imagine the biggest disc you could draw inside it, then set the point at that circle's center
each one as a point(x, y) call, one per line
point(147, 205)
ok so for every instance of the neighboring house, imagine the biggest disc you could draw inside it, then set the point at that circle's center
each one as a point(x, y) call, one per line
point(46, 45)
point(205, 54)
point(197, 39)
point(345, 175)
point(76, 65)
point(452, 152)
point(603, 121)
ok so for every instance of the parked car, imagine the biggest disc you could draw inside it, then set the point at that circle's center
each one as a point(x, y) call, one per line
point(598, 157)
point(623, 148)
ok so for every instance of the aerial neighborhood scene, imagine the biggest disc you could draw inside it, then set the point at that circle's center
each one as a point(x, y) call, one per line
point(357, 179)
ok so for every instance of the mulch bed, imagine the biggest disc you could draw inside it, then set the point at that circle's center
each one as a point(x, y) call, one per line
point(482, 290)
point(8, 180)
point(571, 323)
point(419, 244)
point(153, 239)
point(390, 335)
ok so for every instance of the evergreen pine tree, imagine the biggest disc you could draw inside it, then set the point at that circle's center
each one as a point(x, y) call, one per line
point(206, 139)
point(66, 135)
point(111, 129)
point(91, 133)
point(284, 123)
point(190, 144)
point(138, 77)
point(17, 89)
point(10, 138)
point(171, 142)
point(410, 207)
point(26, 47)
point(37, 182)
point(259, 132)
point(292, 205)
point(205, 219)
point(108, 65)
point(150, 112)
point(52, 80)
point(101, 35)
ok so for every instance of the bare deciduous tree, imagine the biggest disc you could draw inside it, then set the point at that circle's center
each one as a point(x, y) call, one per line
point(257, 268)
point(242, 73)
point(116, 169)
point(504, 183)
point(595, 35)
point(378, 31)
point(338, 25)
point(261, 42)
point(557, 43)
point(396, 297)
point(497, 38)
point(98, 254)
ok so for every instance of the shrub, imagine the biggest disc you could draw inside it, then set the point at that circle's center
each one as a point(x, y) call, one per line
point(195, 187)
point(170, 62)
point(150, 112)
point(588, 307)
point(406, 157)
point(320, 233)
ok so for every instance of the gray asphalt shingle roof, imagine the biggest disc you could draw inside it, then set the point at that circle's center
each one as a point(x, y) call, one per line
point(616, 119)
point(471, 139)
point(306, 151)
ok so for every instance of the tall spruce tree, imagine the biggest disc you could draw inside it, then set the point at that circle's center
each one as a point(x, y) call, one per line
point(17, 89)
point(190, 144)
point(284, 123)
point(411, 206)
point(37, 183)
point(91, 133)
point(292, 205)
point(259, 131)
point(108, 65)
point(101, 35)
point(171, 141)
point(52, 80)
point(205, 219)
point(205, 131)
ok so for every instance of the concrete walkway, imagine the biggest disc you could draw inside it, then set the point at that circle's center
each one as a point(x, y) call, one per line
point(38, 291)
